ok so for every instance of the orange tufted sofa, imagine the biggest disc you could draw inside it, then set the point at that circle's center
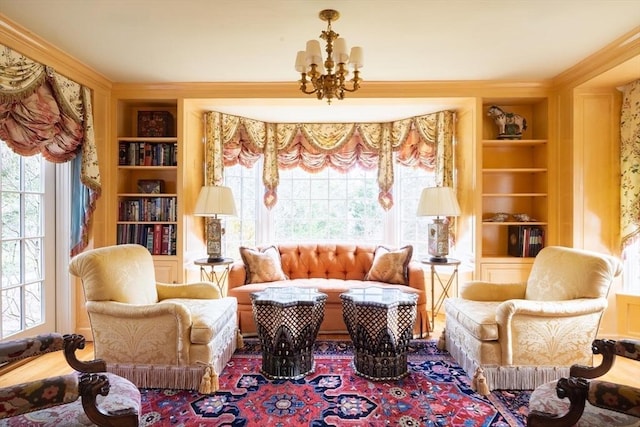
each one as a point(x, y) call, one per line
point(332, 269)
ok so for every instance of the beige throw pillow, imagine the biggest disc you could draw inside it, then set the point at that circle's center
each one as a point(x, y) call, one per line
point(391, 266)
point(263, 265)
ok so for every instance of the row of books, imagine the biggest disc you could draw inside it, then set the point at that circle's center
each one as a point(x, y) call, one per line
point(147, 154)
point(525, 240)
point(148, 209)
point(159, 239)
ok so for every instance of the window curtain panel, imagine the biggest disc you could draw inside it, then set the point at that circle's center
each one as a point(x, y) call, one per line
point(423, 141)
point(630, 164)
point(44, 112)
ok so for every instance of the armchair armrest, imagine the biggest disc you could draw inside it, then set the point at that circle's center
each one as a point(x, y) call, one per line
point(616, 397)
point(195, 290)
point(570, 308)
point(73, 342)
point(92, 385)
point(40, 394)
point(575, 389)
point(477, 290)
point(33, 346)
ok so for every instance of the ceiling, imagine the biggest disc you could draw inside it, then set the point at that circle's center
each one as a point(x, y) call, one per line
point(156, 41)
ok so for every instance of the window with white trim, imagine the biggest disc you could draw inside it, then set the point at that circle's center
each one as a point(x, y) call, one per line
point(326, 206)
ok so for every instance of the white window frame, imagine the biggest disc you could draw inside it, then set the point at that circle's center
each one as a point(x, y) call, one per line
point(391, 219)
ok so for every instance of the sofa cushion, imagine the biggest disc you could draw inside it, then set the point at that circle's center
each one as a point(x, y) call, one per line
point(263, 265)
point(477, 317)
point(390, 266)
point(208, 316)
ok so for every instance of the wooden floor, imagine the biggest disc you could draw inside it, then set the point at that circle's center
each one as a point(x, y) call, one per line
point(624, 371)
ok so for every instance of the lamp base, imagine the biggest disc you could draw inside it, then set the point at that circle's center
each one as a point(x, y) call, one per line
point(438, 240)
point(214, 235)
point(212, 260)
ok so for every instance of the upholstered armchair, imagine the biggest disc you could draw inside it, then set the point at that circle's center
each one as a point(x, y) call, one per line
point(585, 401)
point(83, 398)
point(521, 335)
point(157, 335)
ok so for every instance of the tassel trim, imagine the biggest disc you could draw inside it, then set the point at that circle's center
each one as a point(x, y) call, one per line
point(239, 339)
point(516, 377)
point(209, 383)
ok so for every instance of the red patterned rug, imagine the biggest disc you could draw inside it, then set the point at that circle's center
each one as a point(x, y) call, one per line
point(435, 393)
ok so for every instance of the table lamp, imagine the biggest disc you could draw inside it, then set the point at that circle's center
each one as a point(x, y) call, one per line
point(438, 202)
point(215, 200)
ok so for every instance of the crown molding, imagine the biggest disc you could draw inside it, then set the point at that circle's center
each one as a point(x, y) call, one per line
point(32, 46)
point(617, 52)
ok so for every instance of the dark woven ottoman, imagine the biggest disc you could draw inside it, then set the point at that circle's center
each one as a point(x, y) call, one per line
point(380, 322)
point(287, 320)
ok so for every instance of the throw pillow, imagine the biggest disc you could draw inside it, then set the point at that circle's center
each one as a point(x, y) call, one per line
point(263, 265)
point(391, 266)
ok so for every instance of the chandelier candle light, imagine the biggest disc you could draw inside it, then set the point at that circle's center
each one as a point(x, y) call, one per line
point(438, 201)
point(212, 201)
point(309, 63)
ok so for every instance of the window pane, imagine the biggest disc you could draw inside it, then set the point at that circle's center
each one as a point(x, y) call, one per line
point(10, 169)
point(328, 206)
point(11, 259)
point(33, 260)
point(33, 298)
point(10, 215)
point(32, 218)
point(11, 311)
point(32, 174)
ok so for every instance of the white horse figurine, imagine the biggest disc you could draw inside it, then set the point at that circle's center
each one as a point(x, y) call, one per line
point(510, 125)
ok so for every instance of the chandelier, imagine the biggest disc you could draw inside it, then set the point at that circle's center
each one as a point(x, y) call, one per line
point(328, 79)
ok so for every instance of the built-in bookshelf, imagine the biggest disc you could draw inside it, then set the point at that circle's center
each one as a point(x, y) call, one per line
point(514, 175)
point(147, 174)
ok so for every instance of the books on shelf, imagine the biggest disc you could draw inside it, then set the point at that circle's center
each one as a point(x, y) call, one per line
point(146, 154)
point(525, 240)
point(159, 239)
point(147, 209)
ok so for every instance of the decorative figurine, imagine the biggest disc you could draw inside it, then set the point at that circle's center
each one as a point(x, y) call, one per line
point(510, 125)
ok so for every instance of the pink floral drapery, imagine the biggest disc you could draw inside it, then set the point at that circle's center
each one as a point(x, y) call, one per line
point(630, 164)
point(44, 112)
point(422, 141)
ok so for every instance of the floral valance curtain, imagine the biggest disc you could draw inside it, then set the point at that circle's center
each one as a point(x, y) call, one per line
point(44, 112)
point(630, 164)
point(422, 141)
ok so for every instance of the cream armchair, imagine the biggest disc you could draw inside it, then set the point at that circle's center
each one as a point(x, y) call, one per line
point(521, 335)
point(154, 334)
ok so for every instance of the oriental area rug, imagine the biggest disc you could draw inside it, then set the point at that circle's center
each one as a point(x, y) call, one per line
point(435, 393)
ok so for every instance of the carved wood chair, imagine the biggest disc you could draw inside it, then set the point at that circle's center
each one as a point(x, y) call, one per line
point(591, 402)
point(86, 397)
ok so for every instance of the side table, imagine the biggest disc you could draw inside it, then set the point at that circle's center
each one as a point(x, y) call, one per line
point(436, 305)
point(287, 321)
point(380, 322)
point(217, 272)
